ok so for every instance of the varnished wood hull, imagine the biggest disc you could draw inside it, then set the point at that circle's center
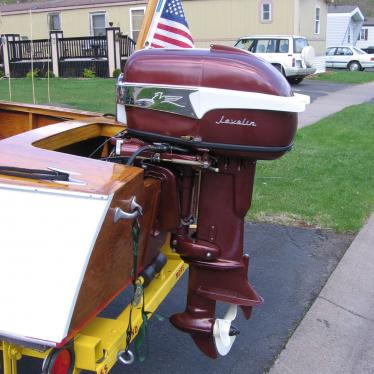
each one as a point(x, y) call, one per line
point(19, 117)
point(29, 140)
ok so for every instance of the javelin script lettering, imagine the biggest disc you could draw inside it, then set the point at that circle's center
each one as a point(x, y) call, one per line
point(241, 122)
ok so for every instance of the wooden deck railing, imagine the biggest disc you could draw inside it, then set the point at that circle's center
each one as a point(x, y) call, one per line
point(21, 50)
point(67, 56)
point(127, 45)
point(83, 47)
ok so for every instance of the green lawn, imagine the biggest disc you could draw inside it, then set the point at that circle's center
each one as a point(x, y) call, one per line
point(96, 95)
point(327, 180)
point(345, 76)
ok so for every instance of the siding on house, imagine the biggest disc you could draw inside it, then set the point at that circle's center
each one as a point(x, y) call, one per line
point(343, 25)
point(369, 25)
point(74, 22)
point(225, 21)
point(228, 20)
point(210, 21)
point(336, 29)
point(306, 24)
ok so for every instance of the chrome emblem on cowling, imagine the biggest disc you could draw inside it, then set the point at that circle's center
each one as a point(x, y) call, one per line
point(160, 98)
point(241, 122)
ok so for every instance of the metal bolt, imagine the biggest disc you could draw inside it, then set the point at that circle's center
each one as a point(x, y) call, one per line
point(234, 331)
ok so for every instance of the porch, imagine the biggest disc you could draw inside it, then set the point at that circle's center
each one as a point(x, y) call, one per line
point(66, 57)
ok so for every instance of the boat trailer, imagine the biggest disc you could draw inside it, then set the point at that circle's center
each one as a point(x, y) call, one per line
point(102, 343)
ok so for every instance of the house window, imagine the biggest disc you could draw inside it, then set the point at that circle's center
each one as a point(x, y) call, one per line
point(266, 11)
point(136, 19)
point(54, 22)
point(363, 34)
point(98, 24)
point(317, 20)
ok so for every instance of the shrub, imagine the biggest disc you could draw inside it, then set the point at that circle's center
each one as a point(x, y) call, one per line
point(2, 73)
point(50, 74)
point(33, 74)
point(88, 73)
point(116, 73)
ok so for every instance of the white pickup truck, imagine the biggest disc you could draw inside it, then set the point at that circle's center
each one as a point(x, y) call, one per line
point(291, 55)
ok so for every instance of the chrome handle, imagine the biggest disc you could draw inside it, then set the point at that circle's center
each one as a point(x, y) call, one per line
point(135, 206)
point(136, 211)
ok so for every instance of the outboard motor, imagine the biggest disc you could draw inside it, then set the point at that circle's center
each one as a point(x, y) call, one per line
point(198, 120)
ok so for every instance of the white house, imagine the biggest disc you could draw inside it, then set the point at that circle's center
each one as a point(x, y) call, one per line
point(366, 38)
point(344, 24)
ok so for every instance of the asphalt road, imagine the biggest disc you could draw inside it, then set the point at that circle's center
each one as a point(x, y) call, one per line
point(288, 268)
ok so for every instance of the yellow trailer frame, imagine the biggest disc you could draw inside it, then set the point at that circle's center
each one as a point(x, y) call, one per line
point(96, 347)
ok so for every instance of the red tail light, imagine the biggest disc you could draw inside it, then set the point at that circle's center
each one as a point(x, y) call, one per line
point(372, 59)
point(59, 362)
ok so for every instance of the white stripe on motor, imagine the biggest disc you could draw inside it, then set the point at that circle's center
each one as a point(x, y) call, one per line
point(206, 99)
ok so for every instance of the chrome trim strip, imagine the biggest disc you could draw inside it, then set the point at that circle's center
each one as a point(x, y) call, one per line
point(161, 98)
point(195, 102)
point(4, 336)
point(53, 191)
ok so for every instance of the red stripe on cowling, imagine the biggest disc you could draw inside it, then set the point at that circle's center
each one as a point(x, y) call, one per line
point(175, 42)
point(175, 31)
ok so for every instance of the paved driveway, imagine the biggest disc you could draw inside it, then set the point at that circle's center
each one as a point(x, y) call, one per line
point(288, 268)
point(316, 88)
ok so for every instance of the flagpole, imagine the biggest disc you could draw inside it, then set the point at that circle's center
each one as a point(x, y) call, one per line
point(32, 58)
point(147, 20)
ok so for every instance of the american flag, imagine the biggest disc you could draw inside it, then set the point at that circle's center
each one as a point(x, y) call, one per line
point(169, 28)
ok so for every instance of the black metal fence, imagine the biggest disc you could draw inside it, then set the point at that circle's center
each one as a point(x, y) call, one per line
point(1, 55)
point(20, 69)
point(76, 68)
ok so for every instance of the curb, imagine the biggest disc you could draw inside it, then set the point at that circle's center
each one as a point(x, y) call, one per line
point(337, 333)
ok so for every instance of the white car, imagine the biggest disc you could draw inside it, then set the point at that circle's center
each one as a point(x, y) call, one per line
point(290, 54)
point(348, 57)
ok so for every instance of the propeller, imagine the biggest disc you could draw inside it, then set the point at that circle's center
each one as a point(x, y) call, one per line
point(224, 333)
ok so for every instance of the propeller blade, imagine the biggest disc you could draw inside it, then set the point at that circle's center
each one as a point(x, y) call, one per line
point(206, 345)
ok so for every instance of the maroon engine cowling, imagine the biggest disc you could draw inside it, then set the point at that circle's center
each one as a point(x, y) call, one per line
point(223, 99)
point(227, 108)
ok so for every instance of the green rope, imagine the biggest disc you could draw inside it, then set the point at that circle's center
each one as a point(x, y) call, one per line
point(141, 337)
point(142, 334)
